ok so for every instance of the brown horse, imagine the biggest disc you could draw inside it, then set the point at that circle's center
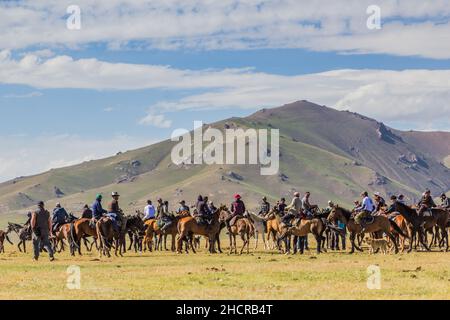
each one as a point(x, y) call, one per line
point(188, 227)
point(274, 227)
point(405, 227)
point(380, 224)
point(243, 227)
point(80, 229)
point(419, 224)
point(305, 226)
point(153, 230)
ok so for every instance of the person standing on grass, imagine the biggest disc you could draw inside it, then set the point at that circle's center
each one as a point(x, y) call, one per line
point(41, 225)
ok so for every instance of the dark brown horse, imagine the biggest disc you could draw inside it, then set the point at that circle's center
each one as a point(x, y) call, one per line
point(381, 223)
point(23, 232)
point(419, 224)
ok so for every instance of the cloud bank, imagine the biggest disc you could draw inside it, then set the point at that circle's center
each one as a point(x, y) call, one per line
point(338, 25)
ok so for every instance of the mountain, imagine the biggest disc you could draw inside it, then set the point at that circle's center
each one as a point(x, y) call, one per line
point(334, 154)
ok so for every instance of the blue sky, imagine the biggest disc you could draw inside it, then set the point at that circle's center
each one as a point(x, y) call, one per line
point(137, 70)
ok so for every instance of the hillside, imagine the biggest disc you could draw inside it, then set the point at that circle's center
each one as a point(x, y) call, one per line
point(334, 154)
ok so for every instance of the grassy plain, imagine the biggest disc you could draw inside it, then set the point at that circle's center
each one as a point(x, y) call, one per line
point(260, 275)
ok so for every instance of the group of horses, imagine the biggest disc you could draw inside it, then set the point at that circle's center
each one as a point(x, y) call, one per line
point(406, 227)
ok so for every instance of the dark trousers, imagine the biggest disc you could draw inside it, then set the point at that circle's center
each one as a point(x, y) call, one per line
point(44, 241)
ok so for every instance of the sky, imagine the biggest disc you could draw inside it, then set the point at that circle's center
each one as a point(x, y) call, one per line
point(133, 71)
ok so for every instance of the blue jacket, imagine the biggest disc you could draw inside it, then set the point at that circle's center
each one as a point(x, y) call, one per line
point(97, 210)
point(59, 215)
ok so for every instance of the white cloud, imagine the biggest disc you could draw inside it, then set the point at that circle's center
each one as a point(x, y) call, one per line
point(156, 120)
point(26, 155)
point(24, 95)
point(411, 95)
point(411, 27)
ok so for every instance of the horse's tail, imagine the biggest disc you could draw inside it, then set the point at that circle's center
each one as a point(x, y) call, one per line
point(103, 241)
point(397, 229)
point(251, 231)
point(72, 236)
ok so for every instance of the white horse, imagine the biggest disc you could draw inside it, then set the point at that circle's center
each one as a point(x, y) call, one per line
point(260, 228)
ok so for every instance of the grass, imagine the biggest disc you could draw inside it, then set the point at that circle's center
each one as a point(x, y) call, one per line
point(260, 275)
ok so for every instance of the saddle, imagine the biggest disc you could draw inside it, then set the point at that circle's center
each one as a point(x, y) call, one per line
point(368, 220)
point(428, 213)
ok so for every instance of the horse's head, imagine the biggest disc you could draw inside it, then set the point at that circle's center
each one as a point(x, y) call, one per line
point(335, 214)
point(223, 213)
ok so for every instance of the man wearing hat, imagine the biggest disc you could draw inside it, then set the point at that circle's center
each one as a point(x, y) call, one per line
point(41, 225)
point(296, 204)
point(264, 207)
point(445, 202)
point(59, 217)
point(364, 210)
point(115, 213)
point(379, 201)
point(425, 203)
point(237, 210)
point(97, 210)
point(183, 209)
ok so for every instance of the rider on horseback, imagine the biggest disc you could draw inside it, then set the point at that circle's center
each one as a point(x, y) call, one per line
point(237, 211)
point(264, 208)
point(149, 211)
point(306, 206)
point(115, 213)
point(294, 210)
point(445, 202)
point(201, 210)
point(426, 203)
point(97, 210)
point(87, 212)
point(281, 206)
point(379, 201)
point(59, 217)
point(164, 216)
point(183, 209)
point(364, 210)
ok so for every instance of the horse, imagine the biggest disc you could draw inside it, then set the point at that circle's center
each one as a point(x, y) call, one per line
point(305, 226)
point(153, 230)
point(405, 227)
point(274, 227)
point(439, 217)
point(260, 225)
point(3, 236)
point(380, 224)
point(188, 227)
point(243, 227)
point(80, 229)
point(107, 235)
point(22, 231)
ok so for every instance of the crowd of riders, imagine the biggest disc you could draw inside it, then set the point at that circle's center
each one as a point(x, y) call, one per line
point(44, 225)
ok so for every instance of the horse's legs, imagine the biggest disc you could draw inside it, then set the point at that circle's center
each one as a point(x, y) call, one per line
point(165, 242)
point(352, 240)
point(173, 243)
point(319, 242)
point(256, 239)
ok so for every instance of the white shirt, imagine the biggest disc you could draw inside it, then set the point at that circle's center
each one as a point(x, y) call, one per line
point(367, 204)
point(149, 212)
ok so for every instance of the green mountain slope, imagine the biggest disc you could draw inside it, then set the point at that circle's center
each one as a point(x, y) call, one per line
point(333, 154)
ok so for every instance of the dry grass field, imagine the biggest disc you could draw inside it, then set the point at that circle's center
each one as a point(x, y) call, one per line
point(260, 275)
